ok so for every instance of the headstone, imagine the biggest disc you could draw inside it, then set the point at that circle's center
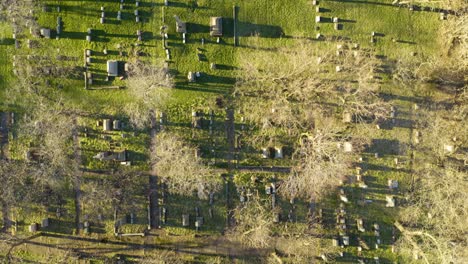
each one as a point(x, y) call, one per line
point(390, 201)
point(449, 148)
point(185, 220)
point(33, 227)
point(392, 184)
point(335, 242)
point(318, 19)
point(345, 240)
point(347, 147)
point(276, 217)
point(45, 222)
point(344, 198)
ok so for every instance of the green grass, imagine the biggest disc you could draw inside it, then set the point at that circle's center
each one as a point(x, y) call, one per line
point(277, 23)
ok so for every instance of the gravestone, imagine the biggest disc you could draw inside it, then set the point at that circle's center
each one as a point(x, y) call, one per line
point(390, 201)
point(185, 220)
point(45, 222)
point(33, 227)
point(348, 147)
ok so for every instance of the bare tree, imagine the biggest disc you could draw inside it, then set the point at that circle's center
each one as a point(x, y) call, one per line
point(181, 168)
point(254, 223)
point(150, 87)
point(121, 191)
point(435, 219)
point(321, 161)
point(282, 89)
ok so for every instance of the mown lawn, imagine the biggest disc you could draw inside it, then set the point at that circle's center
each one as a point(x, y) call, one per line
point(277, 23)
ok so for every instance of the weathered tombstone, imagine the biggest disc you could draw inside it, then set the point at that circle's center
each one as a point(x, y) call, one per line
point(344, 198)
point(137, 3)
point(119, 15)
point(337, 26)
point(102, 20)
point(278, 152)
point(345, 240)
point(136, 12)
point(348, 147)
point(106, 125)
point(45, 222)
point(137, 19)
point(390, 201)
point(335, 242)
point(449, 148)
point(360, 225)
point(276, 217)
point(335, 20)
point(185, 220)
point(33, 227)
point(392, 184)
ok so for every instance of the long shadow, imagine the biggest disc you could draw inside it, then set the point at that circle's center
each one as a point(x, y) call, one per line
point(249, 29)
point(384, 147)
point(197, 28)
point(362, 2)
point(7, 41)
point(226, 67)
point(389, 97)
point(192, 6)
